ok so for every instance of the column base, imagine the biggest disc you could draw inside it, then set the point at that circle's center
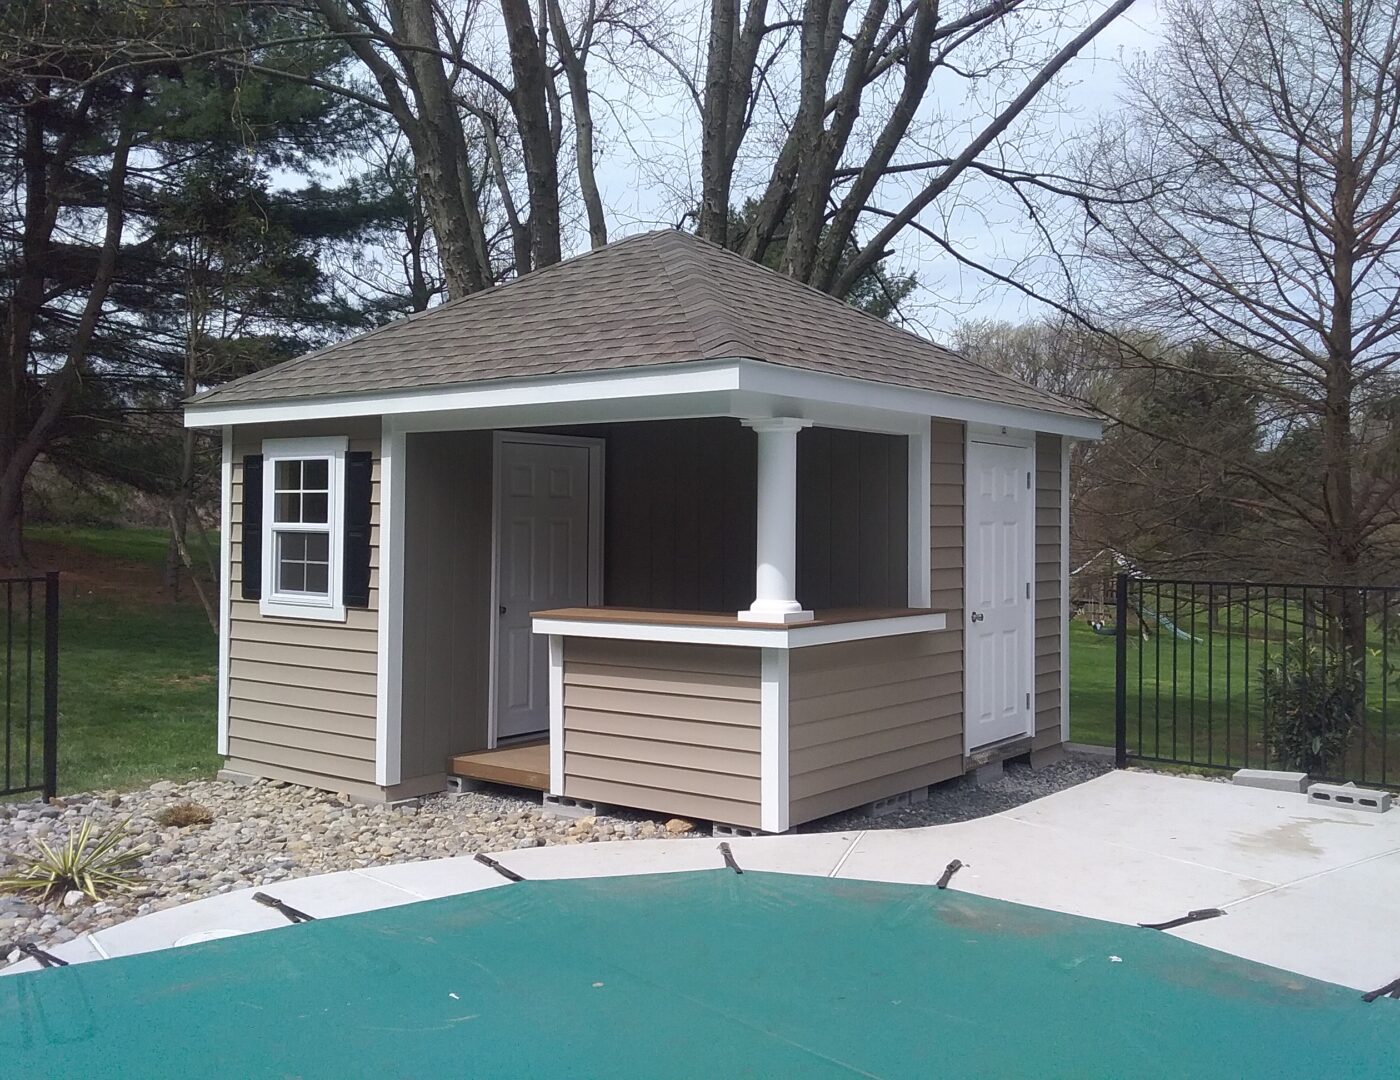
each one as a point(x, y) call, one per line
point(776, 618)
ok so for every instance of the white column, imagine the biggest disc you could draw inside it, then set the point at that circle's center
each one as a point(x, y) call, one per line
point(775, 585)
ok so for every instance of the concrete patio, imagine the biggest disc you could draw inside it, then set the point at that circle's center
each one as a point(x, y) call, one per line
point(1305, 888)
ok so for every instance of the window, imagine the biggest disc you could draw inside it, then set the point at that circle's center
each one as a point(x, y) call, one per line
point(303, 533)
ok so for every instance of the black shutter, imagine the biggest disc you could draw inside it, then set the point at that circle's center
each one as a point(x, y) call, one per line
point(359, 474)
point(252, 526)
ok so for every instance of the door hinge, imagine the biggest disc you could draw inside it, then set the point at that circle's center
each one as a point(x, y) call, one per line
point(1028, 699)
point(1028, 481)
point(1028, 590)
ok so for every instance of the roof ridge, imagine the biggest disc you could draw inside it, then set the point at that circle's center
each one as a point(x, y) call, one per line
point(722, 316)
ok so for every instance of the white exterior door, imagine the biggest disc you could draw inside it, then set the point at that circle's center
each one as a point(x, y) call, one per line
point(545, 558)
point(1000, 523)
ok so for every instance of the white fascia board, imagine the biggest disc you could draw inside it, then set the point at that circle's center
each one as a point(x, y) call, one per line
point(638, 383)
point(663, 390)
point(802, 385)
point(760, 637)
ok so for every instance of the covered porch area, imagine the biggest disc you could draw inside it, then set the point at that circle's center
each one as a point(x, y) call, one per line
point(605, 611)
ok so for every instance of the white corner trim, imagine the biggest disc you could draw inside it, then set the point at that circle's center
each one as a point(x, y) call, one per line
point(774, 759)
point(920, 510)
point(388, 705)
point(796, 636)
point(751, 378)
point(556, 714)
point(1064, 589)
point(225, 583)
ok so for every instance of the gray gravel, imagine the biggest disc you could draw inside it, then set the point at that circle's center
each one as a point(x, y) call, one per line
point(963, 799)
point(269, 831)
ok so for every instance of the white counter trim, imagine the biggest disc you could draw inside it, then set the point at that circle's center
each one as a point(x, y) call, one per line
point(756, 637)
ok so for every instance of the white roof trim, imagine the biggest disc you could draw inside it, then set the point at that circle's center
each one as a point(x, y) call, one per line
point(751, 382)
point(794, 636)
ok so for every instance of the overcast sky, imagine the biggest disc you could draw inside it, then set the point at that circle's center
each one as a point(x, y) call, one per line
point(648, 142)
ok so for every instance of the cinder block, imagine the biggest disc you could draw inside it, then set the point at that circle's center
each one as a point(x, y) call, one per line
point(719, 829)
point(1350, 797)
point(1271, 780)
point(565, 806)
point(987, 774)
point(894, 803)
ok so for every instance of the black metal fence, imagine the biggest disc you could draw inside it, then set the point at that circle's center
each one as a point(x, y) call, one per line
point(29, 685)
point(1232, 674)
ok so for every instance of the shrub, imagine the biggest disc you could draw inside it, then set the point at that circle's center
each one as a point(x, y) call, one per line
point(1311, 704)
point(90, 865)
point(183, 814)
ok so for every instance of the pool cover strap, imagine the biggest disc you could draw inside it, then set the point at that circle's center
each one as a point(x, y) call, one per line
point(729, 860)
point(505, 871)
point(293, 915)
point(948, 872)
point(1191, 916)
point(46, 959)
point(1390, 989)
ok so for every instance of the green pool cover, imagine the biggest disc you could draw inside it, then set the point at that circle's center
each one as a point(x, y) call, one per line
point(700, 974)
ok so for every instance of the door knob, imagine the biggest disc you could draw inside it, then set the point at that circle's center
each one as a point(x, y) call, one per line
point(503, 609)
point(977, 616)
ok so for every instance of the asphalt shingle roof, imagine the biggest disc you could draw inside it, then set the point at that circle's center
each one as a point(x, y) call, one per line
point(658, 298)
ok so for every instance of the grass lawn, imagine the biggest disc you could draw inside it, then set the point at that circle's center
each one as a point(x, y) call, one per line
point(137, 672)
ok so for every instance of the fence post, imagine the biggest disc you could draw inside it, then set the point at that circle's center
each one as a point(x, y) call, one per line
point(1120, 678)
point(50, 684)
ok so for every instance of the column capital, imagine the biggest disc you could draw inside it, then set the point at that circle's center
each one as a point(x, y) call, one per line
point(792, 424)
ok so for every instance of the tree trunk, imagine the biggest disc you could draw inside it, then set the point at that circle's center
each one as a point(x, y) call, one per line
point(576, 74)
point(531, 106)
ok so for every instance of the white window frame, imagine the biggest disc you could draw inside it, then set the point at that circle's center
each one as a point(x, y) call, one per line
point(330, 608)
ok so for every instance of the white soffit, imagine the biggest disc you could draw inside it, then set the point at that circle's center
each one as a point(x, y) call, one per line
point(737, 387)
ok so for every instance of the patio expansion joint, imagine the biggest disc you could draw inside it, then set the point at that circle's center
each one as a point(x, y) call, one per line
point(1313, 877)
point(850, 850)
point(378, 880)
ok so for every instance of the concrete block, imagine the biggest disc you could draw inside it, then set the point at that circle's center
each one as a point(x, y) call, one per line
point(724, 831)
point(1350, 797)
point(988, 774)
point(894, 803)
point(565, 806)
point(234, 777)
point(1047, 756)
point(1271, 780)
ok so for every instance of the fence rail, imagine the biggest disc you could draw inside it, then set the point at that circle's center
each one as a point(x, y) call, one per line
point(1234, 674)
point(29, 685)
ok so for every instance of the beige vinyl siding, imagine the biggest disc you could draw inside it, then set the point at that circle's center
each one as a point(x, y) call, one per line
point(1049, 568)
point(302, 692)
point(447, 598)
point(672, 728)
point(870, 719)
point(947, 514)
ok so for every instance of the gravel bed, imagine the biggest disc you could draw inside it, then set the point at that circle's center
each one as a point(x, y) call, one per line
point(268, 831)
point(963, 799)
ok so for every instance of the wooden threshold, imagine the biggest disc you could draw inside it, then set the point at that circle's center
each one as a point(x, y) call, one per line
point(524, 765)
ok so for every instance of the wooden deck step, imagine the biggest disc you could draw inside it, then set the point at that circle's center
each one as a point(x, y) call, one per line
point(523, 765)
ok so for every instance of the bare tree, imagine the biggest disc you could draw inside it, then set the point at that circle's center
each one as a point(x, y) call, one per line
point(1265, 139)
point(856, 118)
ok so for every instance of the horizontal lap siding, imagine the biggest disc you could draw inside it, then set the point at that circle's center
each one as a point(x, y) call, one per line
point(302, 692)
point(947, 514)
point(1049, 568)
point(665, 727)
point(870, 719)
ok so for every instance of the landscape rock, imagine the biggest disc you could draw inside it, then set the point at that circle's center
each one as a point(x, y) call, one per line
point(265, 832)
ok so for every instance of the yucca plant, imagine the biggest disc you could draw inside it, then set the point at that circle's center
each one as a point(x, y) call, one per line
point(91, 865)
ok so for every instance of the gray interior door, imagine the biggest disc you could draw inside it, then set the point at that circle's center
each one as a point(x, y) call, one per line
point(543, 561)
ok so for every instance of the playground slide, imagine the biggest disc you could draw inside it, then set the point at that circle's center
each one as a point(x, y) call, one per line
point(1146, 613)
